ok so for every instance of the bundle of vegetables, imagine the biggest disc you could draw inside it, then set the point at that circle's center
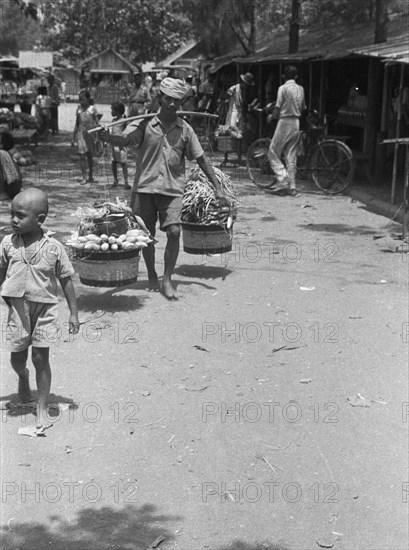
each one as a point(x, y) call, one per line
point(90, 216)
point(118, 207)
point(6, 116)
point(22, 157)
point(225, 130)
point(200, 205)
point(24, 120)
point(131, 240)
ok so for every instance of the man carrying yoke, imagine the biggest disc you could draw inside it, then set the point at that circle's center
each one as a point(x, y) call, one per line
point(163, 145)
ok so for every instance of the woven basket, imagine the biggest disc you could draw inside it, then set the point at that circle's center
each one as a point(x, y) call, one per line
point(206, 239)
point(227, 144)
point(106, 269)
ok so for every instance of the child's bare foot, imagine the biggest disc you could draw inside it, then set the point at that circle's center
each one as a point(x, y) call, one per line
point(153, 284)
point(42, 418)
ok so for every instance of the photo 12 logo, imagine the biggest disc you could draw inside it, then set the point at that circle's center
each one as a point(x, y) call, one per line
point(270, 491)
point(91, 332)
point(269, 331)
point(89, 492)
point(269, 412)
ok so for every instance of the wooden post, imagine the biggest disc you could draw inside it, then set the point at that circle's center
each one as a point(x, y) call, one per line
point(260, 118)
point(384, 117)
point(381, 151)
point(322, 89)
point(405, 192)
point(310, 85)
point(372, 109)
point(396, 150)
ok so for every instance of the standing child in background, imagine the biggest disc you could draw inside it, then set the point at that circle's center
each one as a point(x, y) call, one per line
point(119, 154)
point(30, 264)
point(43, 111)
point(54, 94)
point(87, 118)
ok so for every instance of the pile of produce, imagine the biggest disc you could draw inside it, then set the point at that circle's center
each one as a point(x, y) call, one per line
point(225, 130)
point(200, 205)
point(22, 157)
point(131, 240)
point(6, 116)
point(26, 121)
point(108, 227)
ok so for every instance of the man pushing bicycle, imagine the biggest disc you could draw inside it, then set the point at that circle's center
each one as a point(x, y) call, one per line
point(288, 109)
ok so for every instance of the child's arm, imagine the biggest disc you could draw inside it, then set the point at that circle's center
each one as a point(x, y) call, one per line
point(69, 293)
point(3, 271)
point(74, 135)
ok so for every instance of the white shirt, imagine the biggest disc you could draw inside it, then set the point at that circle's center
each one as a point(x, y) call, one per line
point(290, 100)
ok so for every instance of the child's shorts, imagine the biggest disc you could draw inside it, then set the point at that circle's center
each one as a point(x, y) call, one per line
point(120, 154)
point(30, 323)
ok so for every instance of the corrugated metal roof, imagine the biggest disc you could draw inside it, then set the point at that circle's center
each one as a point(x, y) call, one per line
point(394, 50)
point(9, 59)
point(178, 53)
point(318, 42)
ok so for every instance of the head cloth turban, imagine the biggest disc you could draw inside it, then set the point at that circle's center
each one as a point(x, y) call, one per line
point(173, 87)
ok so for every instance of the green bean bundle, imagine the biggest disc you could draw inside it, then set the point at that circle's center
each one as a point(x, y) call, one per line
point(200, 205)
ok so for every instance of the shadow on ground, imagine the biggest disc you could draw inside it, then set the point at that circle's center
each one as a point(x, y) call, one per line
point(241, 545)
point(111, 301)
point(15, 408)
point(132, 528)
point(339, 228)
point(203, 272)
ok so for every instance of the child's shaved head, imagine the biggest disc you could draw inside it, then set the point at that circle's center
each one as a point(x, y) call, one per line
point(34, 200)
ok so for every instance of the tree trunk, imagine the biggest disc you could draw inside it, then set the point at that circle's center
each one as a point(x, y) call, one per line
point(294, 27)
point(253, 27)
point(381, 21)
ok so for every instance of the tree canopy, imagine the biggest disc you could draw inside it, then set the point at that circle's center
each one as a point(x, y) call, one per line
point(142, 30)
point(148, 30)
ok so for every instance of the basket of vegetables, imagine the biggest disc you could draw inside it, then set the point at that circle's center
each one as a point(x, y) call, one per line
point(207, 226)
point(108, 259)
point(227, 139)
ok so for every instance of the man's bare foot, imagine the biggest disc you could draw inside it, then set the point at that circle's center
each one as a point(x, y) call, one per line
point(153, 284)
point(168, 290)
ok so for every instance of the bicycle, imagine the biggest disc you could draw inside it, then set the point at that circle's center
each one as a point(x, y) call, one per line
point(329, 160)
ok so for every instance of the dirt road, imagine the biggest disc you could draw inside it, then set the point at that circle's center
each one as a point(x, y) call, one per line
point(267, 408)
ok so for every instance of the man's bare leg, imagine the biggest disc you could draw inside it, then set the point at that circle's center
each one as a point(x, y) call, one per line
point(149, 257)
point(171, 256)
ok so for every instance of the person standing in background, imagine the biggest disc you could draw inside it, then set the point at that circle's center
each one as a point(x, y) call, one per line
point(206, 92)
point(43, 114)
point(190, 101)
point(54, 95)
point(27, 96)
point(139, 97)
point(288, 109)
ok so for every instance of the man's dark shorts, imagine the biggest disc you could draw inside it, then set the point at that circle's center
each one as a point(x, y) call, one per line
point(149, 205)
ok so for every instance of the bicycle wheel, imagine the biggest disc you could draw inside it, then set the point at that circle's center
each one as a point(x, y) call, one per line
point(333, 166)
point(258, 166)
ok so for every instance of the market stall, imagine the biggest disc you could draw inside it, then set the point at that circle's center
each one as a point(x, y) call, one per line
point(109, 72)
